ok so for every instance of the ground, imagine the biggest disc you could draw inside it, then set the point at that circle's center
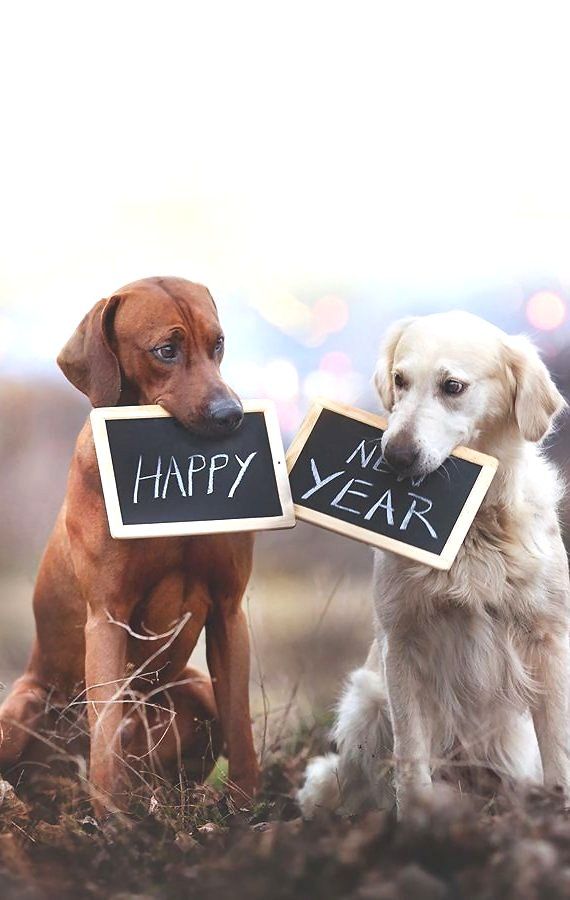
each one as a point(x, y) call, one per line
point(186, 841)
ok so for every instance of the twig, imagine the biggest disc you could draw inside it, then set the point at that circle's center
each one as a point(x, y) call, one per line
point(145, 637)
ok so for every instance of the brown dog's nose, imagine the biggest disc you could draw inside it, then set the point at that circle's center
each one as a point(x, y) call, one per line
point(224, 416)
point(401, 456)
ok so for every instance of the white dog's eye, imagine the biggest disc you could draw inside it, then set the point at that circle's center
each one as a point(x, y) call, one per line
point(453, 387)
point(398, 380)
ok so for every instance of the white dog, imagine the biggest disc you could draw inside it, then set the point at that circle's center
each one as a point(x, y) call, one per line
point(474, 661)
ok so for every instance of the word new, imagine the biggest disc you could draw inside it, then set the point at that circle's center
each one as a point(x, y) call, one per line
point(182, 478)
point(418, 507)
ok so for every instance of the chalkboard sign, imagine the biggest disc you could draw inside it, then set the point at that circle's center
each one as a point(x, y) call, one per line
point(161, 479)
point(339, 480)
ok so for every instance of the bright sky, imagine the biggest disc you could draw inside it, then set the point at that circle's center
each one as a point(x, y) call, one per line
point(271, 149)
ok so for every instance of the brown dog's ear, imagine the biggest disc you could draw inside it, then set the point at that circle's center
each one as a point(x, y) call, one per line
point(383, 378)
point(87, 359)
point(537, 400)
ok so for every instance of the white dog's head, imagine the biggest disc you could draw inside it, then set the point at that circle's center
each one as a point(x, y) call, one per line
point(450, 378)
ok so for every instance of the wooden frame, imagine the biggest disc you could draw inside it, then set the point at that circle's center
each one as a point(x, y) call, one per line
point(443, 560)
point(119, 530)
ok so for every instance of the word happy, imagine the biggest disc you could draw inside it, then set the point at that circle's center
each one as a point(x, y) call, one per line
point(171, 476)
point(418, 506)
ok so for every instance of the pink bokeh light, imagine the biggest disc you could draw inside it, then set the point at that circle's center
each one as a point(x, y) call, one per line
point(546, 310)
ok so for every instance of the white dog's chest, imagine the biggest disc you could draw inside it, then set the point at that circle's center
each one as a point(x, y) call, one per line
point(465, 647)
point(468, 660)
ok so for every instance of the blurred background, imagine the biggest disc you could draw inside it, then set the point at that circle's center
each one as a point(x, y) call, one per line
point(324, 168)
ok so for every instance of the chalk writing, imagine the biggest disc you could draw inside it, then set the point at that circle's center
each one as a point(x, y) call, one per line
point(167, 477)
point(385, 502)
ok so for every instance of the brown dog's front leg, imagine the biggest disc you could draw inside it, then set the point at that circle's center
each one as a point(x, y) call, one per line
point(105, 662)
point(227, 644)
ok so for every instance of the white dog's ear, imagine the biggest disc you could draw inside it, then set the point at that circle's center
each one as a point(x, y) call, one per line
point(537, 400)
point(383, 378)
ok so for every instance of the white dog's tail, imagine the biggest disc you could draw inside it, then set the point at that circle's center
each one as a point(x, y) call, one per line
point(359, 776)
point(321, 789)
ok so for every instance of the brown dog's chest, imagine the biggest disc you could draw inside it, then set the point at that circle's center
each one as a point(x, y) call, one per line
point(182, 583)
point(166, 623)
point(159, 586)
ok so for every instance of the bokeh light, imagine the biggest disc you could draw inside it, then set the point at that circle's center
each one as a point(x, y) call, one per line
point(244, 375)
point(330, 315)
point(281, 380)
point(345, 388)
point(332, 311)
point(336, 362)
point(319, 384)
point(546, 310)
point(284, 310)
point(290, 415)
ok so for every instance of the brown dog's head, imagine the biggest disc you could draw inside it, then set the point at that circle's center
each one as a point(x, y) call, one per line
point(158, 340)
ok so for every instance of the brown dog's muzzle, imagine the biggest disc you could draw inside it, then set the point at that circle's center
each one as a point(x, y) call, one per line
point(222, 416)
point(213, 409)
point(218, 412)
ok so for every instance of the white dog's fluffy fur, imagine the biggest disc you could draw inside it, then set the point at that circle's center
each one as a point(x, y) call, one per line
point(472, 663)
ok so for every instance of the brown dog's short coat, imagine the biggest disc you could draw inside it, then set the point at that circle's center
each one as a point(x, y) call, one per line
point(157, 340)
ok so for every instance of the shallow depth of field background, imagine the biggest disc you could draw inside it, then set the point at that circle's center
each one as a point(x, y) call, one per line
point(324, 168)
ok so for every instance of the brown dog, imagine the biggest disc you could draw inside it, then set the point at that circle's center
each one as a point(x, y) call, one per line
point(157, 340)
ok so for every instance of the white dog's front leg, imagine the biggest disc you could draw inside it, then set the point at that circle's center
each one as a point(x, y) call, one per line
point(411, 731)
point(550, 710)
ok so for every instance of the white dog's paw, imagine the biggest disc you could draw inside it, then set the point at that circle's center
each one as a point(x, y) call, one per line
point(559, 781)
point(321, 790)
point(421, 795)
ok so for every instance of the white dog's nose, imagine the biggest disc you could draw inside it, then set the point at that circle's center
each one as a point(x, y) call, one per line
point(401, 455)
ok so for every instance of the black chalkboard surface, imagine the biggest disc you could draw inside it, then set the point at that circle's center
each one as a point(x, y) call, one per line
point(339, 480)
point(160, 479)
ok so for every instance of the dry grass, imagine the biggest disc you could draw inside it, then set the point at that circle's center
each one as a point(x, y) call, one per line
point(181, 840)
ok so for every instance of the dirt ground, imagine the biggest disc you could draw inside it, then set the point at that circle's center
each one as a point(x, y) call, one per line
point(185, 841)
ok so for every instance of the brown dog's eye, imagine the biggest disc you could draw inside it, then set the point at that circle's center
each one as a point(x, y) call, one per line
point(167, 353)
point(219, 344)
point(453, 387)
